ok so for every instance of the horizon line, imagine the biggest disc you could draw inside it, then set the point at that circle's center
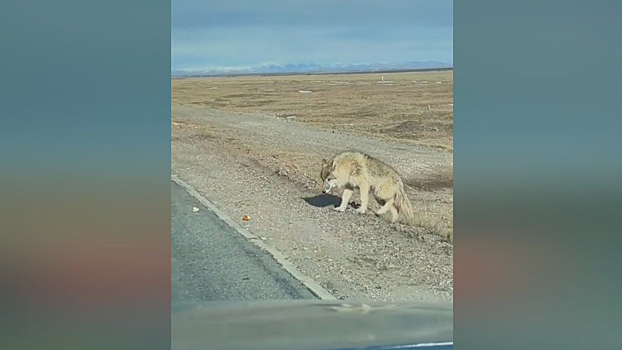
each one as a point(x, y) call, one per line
point(403, 70)
point(329, 65)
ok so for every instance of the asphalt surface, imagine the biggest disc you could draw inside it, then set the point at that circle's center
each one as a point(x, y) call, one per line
point(211, 261)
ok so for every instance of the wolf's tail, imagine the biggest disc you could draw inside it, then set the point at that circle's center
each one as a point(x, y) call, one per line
point(404, 208)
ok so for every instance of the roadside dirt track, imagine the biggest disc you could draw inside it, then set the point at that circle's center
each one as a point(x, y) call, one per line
point(268, 168)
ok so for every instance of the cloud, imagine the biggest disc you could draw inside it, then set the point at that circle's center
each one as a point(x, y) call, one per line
point(240, 33)
point(196, 13)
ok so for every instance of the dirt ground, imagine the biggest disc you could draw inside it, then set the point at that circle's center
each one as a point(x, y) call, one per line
point(254, 146)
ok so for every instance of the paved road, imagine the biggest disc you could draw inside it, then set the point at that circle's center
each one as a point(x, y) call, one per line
point(211, 261)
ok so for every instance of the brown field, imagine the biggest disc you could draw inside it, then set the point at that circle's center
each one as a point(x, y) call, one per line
point(253, 146)
point(411, 107)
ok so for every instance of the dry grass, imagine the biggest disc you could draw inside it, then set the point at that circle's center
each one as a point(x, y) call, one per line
point(411, 107)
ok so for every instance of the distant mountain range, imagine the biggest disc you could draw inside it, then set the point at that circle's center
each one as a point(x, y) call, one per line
point(311, 68)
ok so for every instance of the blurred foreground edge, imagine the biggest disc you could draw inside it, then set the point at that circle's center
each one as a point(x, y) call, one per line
point(311, 325)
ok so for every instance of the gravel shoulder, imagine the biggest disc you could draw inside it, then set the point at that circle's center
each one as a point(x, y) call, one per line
point(268, 168)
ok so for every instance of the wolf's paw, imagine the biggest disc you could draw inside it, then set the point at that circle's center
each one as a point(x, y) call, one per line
point(361, 210)
point(339, 209)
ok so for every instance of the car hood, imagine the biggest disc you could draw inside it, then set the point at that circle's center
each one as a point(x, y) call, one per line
point(311, 324)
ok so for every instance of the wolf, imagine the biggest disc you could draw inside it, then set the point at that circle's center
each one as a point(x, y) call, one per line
point(358, 170)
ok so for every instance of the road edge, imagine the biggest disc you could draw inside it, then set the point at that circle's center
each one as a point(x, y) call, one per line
point(287, 265)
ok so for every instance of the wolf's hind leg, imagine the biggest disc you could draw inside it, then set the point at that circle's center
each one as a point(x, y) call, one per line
point(385, 208)
point(394, 213)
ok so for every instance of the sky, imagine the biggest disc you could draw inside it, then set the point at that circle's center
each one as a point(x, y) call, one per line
point(245, 33)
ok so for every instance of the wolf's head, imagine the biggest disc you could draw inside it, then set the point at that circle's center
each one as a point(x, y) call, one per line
point(327, 176)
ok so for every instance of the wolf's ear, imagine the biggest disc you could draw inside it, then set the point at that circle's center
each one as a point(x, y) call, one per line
point(324, 163)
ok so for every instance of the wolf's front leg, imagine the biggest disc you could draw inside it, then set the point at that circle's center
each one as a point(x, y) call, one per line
point(344, 200)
